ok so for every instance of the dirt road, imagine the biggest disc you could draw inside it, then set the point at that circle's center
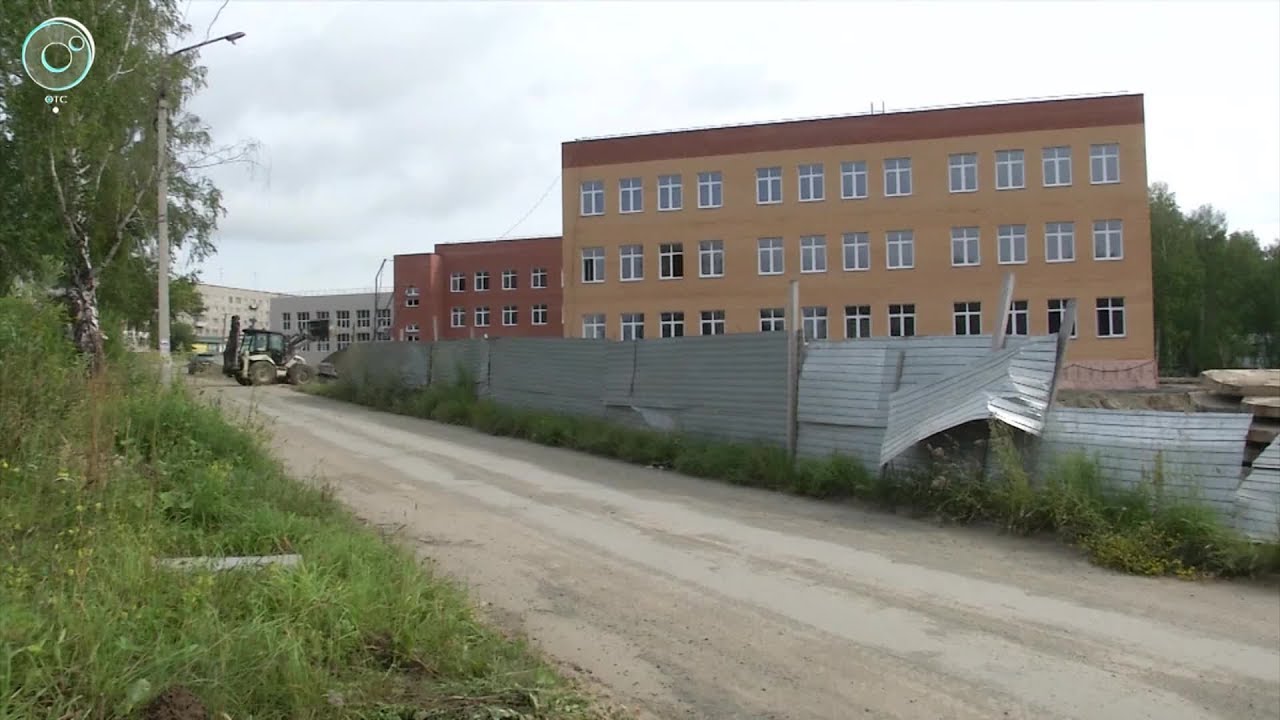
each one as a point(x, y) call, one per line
point(691, 599)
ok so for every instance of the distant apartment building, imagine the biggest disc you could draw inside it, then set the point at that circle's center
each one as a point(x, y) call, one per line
point(353, 317)
point(895, 224)
point(221, 302)
point(502, 288)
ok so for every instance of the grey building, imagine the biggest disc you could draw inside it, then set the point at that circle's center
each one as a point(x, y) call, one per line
point(352, 318)
point(221, 302)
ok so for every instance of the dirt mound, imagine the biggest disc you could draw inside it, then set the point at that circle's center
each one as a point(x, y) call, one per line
point(176, 703)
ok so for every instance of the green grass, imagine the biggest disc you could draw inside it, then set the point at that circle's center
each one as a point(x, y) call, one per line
point(98, 478)
point(1137, 530)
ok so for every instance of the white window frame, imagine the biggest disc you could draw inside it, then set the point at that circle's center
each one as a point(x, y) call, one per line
point(775, 249)
point(970, 313)
point(593, 257)
point(457, 317)
point(1057, 157)
point(1058, 307)
point(481, 275)
point(481, 316)
point(591, 198)
point(1104, 164)
point(860, 245)
point(630, 195)
point(457, 282)
point(631, 262)
point(712, 182)
point(670, 193)
point(904, 313)
point(710, 255)
point(1011, 237)
point(411, 291)
point(667, 256)
point(715, 319)
point(1111, 233)
point(860, 317)
point(411, 302)
point(811, 182)
point(966, 246)
point(671, 323)
point(851, 172)
point(898, 240)
point(962, 172)
point(509, 280)
point(1114, 307)
point(362, 319)
point(286, 323)
point(813, 254)
point(1057, 237)
point(773, 319)
point(1011, 165)
point(631, 326)
point(813, 319)
point(510, 315)
point(896, 170)
point(593, 326)
point(344, 339)
point(769, 185)
point(538, 278)
point(1018, 310)
point(538, 314)
point(343, 318)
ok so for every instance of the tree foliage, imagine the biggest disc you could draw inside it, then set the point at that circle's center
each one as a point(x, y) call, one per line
point(1217, 292)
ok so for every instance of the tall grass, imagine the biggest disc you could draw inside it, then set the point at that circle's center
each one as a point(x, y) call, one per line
point(99, 478)
point(1136, 530)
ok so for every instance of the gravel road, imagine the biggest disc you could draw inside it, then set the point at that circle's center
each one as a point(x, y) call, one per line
point(683, 598)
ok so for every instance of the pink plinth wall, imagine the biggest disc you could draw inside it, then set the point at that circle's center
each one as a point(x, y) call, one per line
point(1108, 375)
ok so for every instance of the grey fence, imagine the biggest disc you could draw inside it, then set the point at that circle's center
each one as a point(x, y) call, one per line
point(875, 399)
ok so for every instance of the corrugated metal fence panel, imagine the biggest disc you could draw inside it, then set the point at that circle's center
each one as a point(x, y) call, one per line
point(561, 375)
point(731, 386)
point(619, 369)
point(933, 357)
point(846, 383)
point(447, 356)
point(1258, 499)
point(1200, 453)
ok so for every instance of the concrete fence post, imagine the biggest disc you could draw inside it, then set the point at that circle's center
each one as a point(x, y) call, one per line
point(1002, 326)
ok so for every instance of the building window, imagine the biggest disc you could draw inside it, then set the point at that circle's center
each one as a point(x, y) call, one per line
point(411, 302)
point(1011, 170)
point(458, 282)
point(1011, 244)
point(968, 318)
point(1057, 166)
point(508, 279)
point(593, 265)
point(510, 315)
point(384, 317)
point(712, 322)
point(538, 278)
point(671, 324)
point(632, 326)
point(773, 320)
point(592, 194)
point(593, 326)
point(814, 320)
point(769, 256)
point(458, 317)
point(965, 246)
point(631, 262)
point(670, 192)
point(362, 318)
point(411, 327)
point(1110, 317)
point(344, 339)
point(710, 189)
point(813, 254)
point(902, 320)
point(853, 180)
point(671, 261)
point(1104, 163)
point(482, 316)
point(1059, 242)
point(1019, 318)
point(303, 317)
point(411, 291)
point(711, 258)
point(768, 185)
point(812, 182)
point(286, 323)
point(482, 280)
point(963, 172)
point(362, 337)
point(900, 245)
point(897, 177)
point(540, 314)
point(1108, 240)
point(322, 346)
point(857, 251)
point(857, 321)
point(344, 318)
point(1057, 313)
point(631, 195)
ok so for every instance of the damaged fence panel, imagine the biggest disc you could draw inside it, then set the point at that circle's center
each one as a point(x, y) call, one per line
point(1258, 499)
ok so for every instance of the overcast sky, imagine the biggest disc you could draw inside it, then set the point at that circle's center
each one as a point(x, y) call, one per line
point(387, 127)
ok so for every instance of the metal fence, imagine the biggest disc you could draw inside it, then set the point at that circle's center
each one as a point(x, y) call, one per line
point(875, 400)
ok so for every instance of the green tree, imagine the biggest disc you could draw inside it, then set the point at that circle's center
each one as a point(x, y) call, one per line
point(181, 337)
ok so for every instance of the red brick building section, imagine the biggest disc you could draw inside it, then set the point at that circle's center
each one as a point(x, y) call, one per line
point(500, 288)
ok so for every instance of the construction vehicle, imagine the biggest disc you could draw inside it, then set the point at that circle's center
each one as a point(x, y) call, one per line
point(262, 357)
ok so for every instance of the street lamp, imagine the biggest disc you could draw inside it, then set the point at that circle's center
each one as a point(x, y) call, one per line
point(162, 213)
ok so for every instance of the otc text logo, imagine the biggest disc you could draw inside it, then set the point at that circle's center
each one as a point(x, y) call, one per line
point(58, 53)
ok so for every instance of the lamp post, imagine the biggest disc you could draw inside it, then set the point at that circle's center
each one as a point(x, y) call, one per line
point(162, 213)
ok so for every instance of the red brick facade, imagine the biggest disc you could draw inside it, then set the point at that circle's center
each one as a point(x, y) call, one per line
point(502, 288)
